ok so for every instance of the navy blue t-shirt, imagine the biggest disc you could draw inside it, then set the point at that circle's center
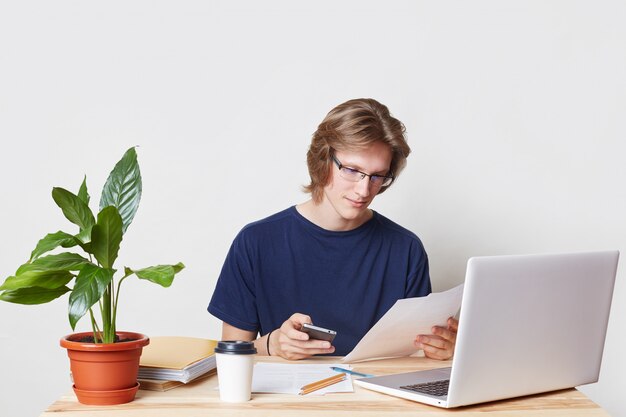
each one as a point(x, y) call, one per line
point(345, 281)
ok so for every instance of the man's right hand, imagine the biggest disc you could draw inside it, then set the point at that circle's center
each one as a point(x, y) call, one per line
point(290, 343)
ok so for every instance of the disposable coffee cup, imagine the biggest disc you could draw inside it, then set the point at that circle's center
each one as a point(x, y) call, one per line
point(235, 360)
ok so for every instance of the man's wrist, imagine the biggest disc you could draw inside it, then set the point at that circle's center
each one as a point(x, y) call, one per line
point(267, 343)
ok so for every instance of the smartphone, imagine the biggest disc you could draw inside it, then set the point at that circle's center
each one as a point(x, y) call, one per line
point(320, 333)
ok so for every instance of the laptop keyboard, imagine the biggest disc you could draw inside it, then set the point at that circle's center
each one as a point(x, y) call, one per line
point(435, 388)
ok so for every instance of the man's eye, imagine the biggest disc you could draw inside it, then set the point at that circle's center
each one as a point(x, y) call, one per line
point(351, 171)
point(377, 179)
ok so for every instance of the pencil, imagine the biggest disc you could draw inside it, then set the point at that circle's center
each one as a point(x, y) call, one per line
point(314, 386)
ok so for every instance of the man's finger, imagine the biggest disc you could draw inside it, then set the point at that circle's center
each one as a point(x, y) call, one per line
point(434, 341)
point(445, 334)
point(453, 324)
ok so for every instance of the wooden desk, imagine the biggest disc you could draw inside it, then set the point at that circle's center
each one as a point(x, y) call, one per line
point(201, 399)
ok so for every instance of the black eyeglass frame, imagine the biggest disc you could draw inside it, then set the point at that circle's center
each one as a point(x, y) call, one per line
point(385, 178)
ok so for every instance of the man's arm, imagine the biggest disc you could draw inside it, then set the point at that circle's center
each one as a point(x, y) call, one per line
point(233, 333)
point(287, 341)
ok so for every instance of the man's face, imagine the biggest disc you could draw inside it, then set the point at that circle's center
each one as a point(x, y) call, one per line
point(346, 202)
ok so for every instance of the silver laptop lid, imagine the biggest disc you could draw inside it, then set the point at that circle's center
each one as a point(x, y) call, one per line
point(530, 324)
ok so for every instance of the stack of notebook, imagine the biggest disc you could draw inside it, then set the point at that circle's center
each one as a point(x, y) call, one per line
point(170, 361)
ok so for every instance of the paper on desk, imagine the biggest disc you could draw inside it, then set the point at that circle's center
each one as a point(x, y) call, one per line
point(288, 378)
point(393, 335)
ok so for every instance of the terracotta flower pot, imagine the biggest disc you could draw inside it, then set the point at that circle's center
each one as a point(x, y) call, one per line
point(105, 373)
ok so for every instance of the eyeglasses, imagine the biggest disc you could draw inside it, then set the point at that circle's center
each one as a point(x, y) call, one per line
point(355, 175)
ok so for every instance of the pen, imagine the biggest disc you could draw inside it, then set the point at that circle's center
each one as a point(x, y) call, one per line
point(348, 371)
point(314, 386)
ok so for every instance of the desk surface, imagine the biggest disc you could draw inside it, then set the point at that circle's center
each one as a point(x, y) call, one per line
point(200, 398)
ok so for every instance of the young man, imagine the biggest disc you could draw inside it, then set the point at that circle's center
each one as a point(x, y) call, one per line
point(330, 261)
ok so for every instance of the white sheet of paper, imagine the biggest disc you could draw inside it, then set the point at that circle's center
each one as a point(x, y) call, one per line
point(288, 378)
point(393, 335)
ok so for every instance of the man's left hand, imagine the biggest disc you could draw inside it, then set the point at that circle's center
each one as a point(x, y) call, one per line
point(440, 344)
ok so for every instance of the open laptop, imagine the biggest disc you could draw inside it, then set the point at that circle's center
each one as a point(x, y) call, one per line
point(528, 324)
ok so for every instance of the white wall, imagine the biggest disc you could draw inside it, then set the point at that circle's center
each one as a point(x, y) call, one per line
point(514, 110)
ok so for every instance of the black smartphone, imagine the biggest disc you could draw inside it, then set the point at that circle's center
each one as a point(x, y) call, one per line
point(320, 333)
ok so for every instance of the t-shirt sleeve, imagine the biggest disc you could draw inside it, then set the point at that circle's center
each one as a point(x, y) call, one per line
point(418, 282)
point(234, 298)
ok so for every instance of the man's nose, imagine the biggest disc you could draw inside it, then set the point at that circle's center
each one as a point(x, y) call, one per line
point(362, 187)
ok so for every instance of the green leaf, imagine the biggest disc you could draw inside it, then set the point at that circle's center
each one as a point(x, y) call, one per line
point(74, 209)
point(33, 295)
point(83, 195)
point(160, 274)
point(83, 240)
point(84, 237)
point(123, 188)
point(63, 261)
point(91, 283)
point(178, 267)
point(106, 236)
point(43, 279)
point(52, 241)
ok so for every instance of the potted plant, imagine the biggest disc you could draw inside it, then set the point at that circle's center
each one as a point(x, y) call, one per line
point(105, 361)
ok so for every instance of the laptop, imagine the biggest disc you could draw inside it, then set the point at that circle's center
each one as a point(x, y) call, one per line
point(528, 324)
